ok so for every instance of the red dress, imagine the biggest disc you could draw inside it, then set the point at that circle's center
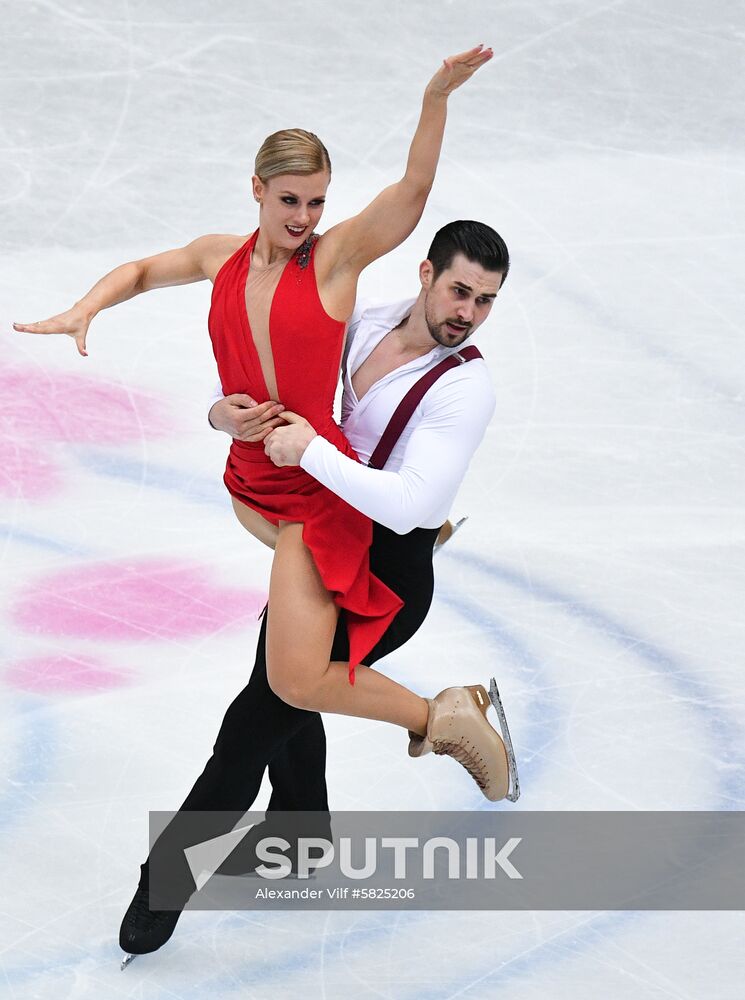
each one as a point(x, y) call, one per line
point(306, 347)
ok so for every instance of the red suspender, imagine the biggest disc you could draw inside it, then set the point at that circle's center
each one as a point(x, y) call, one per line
point(402, 413)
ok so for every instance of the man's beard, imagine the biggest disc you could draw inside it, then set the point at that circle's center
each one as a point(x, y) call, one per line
point(439, 333)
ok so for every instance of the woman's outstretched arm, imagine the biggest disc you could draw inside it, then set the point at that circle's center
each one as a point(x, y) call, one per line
point(193, 262)
point(391, 217)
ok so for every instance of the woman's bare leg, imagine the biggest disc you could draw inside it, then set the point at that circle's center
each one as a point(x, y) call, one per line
point(300, 633)
point(252, 521)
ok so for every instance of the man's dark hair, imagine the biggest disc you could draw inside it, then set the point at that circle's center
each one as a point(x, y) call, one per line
point(477, 242)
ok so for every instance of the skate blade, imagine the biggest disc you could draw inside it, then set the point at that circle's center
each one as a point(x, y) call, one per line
point(456, 526)
point(125, 962)
point(514, 791)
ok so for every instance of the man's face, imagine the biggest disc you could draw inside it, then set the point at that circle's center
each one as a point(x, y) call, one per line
point(459, 301)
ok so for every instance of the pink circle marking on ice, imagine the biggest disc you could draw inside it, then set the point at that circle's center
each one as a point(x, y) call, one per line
point(139, 599)
point(25, 472)
point(48, 405)
point(63, 672)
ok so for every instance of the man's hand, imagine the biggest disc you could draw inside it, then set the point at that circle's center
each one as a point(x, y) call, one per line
point(286, 445)
point(244, 419)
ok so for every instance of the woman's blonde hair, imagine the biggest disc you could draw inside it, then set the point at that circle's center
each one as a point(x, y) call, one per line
point(291, 151)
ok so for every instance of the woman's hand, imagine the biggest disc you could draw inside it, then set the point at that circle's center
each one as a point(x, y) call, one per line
point(455, 70)
point(347, 248)
point(286, 445)
point(73, 323)
point(198, 260)
point(243, 418)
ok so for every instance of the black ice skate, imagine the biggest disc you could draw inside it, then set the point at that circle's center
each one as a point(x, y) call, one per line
point(144, 930)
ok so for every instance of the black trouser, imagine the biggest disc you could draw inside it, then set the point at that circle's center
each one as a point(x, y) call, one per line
point(261, 731)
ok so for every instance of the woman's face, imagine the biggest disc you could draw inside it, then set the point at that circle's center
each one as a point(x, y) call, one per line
point(291, 206)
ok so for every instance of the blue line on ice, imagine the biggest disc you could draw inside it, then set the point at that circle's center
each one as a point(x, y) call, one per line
point(721, 731)
point(15, 534)
point(37, 737)
point(151, 475)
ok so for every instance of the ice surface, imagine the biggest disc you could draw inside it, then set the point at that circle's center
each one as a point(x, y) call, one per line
point(600, 573)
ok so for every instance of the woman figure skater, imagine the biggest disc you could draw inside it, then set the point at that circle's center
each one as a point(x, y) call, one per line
point(280, 303)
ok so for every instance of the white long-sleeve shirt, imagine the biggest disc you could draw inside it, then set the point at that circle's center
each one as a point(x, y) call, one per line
point(418, 484)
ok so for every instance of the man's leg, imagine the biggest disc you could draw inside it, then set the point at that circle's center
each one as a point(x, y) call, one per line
point(255, 729)
point(297, 772)
point(254, 734)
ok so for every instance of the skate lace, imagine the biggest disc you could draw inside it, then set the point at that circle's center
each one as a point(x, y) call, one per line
point(466, 754)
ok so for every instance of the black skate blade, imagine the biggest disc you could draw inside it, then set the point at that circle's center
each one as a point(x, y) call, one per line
point(125, 962)
point(514, 791)
point(456, 526)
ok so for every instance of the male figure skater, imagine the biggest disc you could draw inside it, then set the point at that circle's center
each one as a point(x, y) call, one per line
point(407, 493)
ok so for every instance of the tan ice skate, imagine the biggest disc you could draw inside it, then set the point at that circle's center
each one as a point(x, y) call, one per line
point(457, 726)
